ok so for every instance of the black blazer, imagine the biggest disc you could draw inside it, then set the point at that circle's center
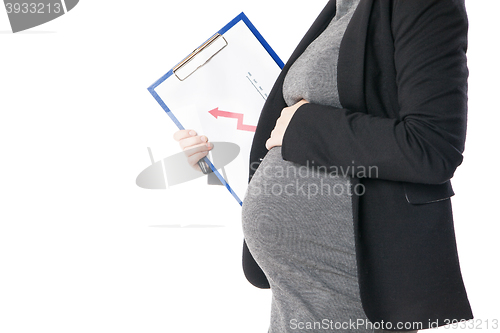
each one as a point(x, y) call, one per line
point(402, 79)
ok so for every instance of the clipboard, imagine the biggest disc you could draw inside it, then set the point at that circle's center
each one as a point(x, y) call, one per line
point(219, 90)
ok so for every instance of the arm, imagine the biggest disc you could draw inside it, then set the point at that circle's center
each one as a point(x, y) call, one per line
point(425, 143)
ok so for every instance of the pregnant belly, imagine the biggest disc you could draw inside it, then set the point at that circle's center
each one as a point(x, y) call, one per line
point(293, 211)
point(277, 180)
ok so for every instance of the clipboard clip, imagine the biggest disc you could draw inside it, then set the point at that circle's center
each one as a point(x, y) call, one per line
point(199, 57)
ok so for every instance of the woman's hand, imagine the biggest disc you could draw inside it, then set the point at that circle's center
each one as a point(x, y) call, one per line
point(276, 138)
point(194, 146)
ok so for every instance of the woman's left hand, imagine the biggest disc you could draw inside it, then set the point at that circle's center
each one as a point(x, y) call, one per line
point(287, 113)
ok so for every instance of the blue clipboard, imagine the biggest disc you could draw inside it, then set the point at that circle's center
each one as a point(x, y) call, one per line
point(240, 18)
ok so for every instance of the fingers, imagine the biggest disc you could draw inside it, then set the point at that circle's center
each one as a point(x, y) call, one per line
point(268, 144)
point(192, 142)
point(272, 142)
point(193, 159)
point(182, 134)
point(290, 110)
point(276, 138)
point(192, 150)
point(195, 147)
point(188, 139)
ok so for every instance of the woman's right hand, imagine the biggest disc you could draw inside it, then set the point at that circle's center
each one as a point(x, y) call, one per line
point(194, 146)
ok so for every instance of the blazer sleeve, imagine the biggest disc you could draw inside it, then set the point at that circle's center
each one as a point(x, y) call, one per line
point(425, 143)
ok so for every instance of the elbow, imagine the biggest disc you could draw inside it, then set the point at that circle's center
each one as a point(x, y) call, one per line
point(440, 165)
point(442, 173)
point(435, 157)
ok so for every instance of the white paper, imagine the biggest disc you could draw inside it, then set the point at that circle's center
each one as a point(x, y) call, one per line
point(236, 80)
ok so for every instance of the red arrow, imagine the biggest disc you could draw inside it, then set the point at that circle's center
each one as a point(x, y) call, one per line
point(240, 126)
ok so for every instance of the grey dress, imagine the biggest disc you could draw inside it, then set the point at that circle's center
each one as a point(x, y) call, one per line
point(297, 220)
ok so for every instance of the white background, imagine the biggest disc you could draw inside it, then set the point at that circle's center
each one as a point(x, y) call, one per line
point(83, 249)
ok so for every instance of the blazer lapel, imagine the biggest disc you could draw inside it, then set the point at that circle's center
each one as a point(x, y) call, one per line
point(351, 63)
point(275, 102)
point(350, 75)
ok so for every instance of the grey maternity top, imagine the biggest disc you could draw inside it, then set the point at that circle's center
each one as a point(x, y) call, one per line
point(297, 220)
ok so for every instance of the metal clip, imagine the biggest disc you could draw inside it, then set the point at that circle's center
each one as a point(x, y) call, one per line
point(215, 38)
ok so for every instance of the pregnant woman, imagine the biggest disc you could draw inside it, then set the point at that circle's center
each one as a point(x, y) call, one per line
point(347, 217)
